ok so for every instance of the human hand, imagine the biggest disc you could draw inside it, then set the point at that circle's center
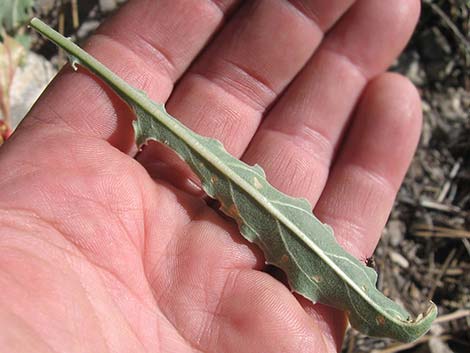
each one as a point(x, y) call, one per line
point(96, 255)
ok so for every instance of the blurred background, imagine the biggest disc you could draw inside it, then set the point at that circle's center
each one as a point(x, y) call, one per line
point(424, 253)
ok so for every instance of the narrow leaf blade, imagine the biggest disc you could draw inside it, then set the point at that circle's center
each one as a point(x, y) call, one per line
point(290, 236)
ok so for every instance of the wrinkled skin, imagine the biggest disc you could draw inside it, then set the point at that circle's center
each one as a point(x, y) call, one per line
point(104, 252)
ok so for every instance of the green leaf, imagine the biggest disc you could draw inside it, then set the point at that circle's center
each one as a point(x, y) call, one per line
point(283, 227)
point(14, 13)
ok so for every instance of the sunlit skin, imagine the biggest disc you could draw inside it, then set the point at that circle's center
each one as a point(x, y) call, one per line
point(103, 252)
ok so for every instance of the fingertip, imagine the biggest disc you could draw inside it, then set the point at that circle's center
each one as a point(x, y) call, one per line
point(410, 9)
point(391, 108)
point(397, 91)
point(382, 28)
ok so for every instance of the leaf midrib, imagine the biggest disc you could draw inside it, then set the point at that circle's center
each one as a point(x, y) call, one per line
point(158, 111)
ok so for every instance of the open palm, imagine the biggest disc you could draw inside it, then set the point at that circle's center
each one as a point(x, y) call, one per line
point(100, 251)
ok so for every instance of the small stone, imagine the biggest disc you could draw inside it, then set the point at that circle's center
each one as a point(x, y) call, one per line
point(86, 28)
point(108, 5)
point(437, 346)
point(399, 259)
point(396, 230)
point(28, 83)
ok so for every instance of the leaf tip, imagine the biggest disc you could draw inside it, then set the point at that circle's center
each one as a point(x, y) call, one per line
point(420, 325)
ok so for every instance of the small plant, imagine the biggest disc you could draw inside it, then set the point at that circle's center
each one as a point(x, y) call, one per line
point(14, 13)
point(13, 43)
point(11, 54)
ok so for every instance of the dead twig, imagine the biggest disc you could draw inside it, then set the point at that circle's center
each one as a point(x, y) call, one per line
point(444, 268)
point(448, 183)
point(452, 316)
point(466, 243)
point(439, 206)
point(423, 230)
point(465, 43)
point(404, 346)
point(75, 19)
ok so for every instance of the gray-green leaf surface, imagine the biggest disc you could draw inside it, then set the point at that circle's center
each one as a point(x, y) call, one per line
point(286, 230)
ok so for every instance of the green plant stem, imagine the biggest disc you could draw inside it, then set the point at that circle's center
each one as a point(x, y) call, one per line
point(121, 87)
point(84, 58)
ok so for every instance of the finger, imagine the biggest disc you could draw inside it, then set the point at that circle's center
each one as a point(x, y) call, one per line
point(364, 181)
point(149, 44)
point(297, 142)
point(226, 92)
point(371, 164)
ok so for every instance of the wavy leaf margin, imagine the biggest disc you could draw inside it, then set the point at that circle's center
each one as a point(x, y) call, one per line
point(291, 237)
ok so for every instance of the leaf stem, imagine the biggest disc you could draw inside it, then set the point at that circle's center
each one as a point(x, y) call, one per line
point(83, 57)
point(121, 87)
